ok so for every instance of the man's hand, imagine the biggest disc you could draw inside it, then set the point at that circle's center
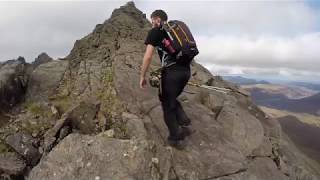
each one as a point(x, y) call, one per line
point(143, 82)
point(145, 65)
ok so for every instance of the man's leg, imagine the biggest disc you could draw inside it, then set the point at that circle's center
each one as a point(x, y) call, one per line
point(169, 113)
point(170, 90)
point(181, 116)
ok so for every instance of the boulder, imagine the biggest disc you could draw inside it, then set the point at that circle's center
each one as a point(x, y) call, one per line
point(12, 164)
point(26, 146)
point(44, 80)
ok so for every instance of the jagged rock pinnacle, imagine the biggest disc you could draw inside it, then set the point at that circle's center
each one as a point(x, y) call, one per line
point(42, 58)
point(130, 9)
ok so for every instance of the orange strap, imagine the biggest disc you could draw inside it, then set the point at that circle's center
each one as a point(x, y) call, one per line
point(184, 33)
point(175, 34)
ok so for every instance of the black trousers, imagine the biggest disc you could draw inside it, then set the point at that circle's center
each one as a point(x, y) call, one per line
point(173, 80)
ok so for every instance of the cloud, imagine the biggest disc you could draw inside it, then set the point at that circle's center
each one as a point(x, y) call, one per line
point(299, 53)
point(264, 73)
point(29, 28)
point(240, 17)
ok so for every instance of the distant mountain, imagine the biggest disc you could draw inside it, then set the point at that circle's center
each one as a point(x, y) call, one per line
point(301, 128)
point(289, 91)
point(303, 135)
point(309, 104)
point(312, 86)
point(243, 81)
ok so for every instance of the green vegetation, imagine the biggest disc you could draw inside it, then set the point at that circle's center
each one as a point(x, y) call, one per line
point(110, 105)
point(37, 109)
point(62, 102)
point(4, 147)
point(37, 127)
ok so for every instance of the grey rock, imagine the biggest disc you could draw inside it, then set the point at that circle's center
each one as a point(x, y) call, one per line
point(12, 164)
point(24, 144)
point(242, 127)
point(13, 82)
point(52, 135)
point(88, 157)
point(44, 80)
point(82, 117)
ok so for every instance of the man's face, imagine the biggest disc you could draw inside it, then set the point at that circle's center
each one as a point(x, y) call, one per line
point(155, 21)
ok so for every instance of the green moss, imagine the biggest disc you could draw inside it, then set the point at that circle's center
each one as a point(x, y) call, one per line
point(120, 128)
point(111, 106)
point(37, 119)
point(107, 77)
point(107, 94)
point(4, 147)
point(35, 108)
point(38, 110)
point(36, 127)
point(62, 102)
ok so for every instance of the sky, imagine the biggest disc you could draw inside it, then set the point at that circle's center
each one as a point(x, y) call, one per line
point(261, 39)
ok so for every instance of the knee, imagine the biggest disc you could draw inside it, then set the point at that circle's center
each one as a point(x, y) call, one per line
point(169, 104)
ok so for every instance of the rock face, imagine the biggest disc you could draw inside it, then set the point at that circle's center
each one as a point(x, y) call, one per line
point(125, 159)
point(13, 82)
point(124, 133)
point(44, 79)
point(24, 144)
point(11, 163)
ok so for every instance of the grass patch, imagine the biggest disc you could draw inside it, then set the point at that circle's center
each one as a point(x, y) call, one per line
point(62, 102)
point(4, 148)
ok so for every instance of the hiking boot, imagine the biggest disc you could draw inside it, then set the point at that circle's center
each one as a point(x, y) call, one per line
point(183, 132)
point(186, 131)
point(178, 144)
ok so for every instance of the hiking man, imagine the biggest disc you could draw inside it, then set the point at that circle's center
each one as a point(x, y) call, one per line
point(174, 77)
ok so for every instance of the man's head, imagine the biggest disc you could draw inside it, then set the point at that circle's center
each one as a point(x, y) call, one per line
point(157, 17)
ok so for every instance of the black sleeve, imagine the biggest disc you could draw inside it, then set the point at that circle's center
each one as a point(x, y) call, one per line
point(153, 37)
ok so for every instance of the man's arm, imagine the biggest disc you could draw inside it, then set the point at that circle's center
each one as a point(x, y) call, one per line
point(145, 64)
point(146, 60)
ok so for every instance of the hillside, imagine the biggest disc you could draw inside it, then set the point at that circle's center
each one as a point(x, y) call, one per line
point(303, 135)
point(310, 104)
point(243, 81)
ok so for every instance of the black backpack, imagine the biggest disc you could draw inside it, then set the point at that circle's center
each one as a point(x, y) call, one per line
point(181, 44)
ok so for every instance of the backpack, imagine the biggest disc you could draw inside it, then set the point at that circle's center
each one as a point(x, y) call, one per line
point(181, 43)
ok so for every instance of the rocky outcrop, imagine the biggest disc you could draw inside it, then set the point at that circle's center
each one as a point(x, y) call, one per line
point(44, 79)
point(112, 129)
point(13, 82)
point(41, 59)
point(82, 157)
point(25, 145)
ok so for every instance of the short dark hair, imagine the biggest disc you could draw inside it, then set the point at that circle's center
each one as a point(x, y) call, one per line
point(161, 14)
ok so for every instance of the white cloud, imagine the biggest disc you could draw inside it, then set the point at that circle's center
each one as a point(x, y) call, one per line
point(29, 28)
point(240, 17)
point(296, 53)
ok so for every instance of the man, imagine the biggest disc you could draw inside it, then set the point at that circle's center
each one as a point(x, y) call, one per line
point(174, 77)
